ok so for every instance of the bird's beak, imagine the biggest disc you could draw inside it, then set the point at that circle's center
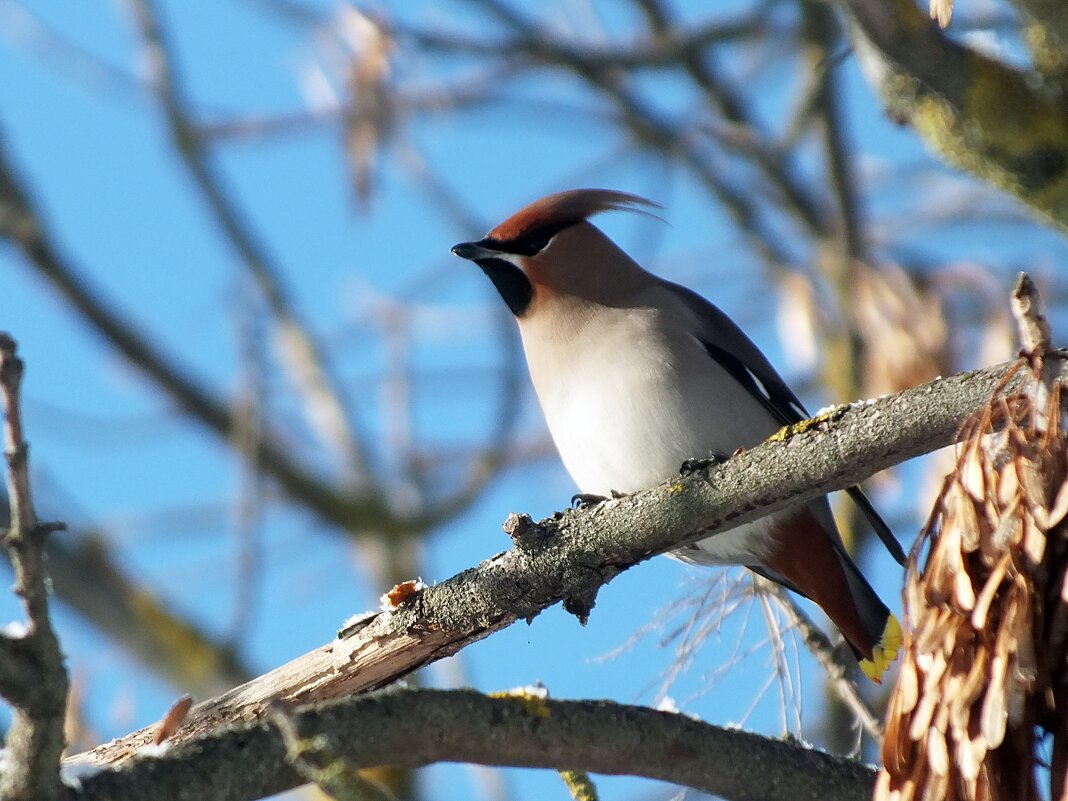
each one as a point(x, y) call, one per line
point(474, 251)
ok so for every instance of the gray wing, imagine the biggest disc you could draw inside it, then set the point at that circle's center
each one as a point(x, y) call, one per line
point(728, 345)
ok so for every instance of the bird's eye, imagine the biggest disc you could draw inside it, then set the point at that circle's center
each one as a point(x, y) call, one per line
point(536, 241)
point(533, 242)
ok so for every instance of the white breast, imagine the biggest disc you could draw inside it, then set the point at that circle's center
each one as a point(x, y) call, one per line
point(629, 395)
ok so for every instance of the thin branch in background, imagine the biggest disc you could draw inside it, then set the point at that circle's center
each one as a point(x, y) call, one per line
point(788, 680)
point(661, 51)
point(702, 615)
point(452, 205)
point(398, 424)
point(252, 491)
point(650, 128)
point(774, 163)
point(724, 596)
point(739, 594)
point(830, 659)
point(22, 224)
point(511, 377)
point(255, 127)
point(27, 30)
point(33, 677)
point(327, 406)
point(86, 576)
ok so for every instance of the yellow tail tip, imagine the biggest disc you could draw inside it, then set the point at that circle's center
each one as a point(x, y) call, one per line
point(884, 652)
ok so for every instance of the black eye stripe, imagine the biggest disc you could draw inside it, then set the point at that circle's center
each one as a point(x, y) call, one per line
point(532, 242)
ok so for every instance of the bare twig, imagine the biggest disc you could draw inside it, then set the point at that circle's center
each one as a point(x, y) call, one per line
point(830, 660)
point(32, 675)
point(1035, 334)
point(87, 577)
point(1036, 338)
point(317, 761)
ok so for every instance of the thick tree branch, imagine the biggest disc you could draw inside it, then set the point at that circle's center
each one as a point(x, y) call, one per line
point(570, 556)
point(32, 675)
point(414, 728)
point(978, 113)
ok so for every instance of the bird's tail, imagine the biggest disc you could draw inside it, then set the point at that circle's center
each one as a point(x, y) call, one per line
point(810, 560)
point(881, 627)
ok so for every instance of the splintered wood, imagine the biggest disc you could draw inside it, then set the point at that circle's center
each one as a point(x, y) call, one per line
point(983, 689)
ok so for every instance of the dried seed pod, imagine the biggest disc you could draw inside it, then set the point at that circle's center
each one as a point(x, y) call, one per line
point(984, 671)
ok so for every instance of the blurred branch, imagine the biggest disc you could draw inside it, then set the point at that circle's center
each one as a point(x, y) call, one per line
point(1045, 30)
point(822, 35)
point(326, 402)
point(251, 497)
point(978, 113)
point(22, 225)
point(87, 578)
point(649, 127)
point(570, 556)
point(665, 50)
point(775, 164)
point(500, 447)
point(421, 727)
point(33, 677)
point(26, 28)
point(316, 761)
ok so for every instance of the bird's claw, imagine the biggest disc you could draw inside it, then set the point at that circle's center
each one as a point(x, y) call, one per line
point(691, 466)
point(586, 500)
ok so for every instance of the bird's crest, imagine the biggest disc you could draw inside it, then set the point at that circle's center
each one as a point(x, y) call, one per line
point(567, 208)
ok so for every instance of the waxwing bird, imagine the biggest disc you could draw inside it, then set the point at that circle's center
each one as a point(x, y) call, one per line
point(636, 375)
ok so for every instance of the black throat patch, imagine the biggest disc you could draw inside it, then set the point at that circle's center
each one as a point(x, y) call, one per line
point(514, 287)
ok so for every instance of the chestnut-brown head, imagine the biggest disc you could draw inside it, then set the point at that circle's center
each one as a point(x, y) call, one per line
point(549, 247)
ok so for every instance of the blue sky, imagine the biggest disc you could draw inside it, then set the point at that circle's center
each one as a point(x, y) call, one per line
point(109, 450)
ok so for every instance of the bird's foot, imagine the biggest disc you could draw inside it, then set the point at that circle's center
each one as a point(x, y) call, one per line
point(691, 466)
point(587, 500)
